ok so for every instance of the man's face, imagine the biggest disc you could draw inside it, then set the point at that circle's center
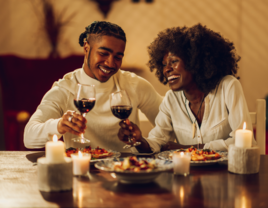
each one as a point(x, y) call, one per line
point(104, 57)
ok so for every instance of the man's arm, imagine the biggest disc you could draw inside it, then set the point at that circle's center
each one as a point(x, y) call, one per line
point(43, 123)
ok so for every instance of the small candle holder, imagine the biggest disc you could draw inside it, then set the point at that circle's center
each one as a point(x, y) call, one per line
point(181, 163)
point(81, 163)
point(55, 176)
point(243, 160)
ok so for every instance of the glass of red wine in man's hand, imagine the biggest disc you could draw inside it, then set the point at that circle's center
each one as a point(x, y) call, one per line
point(121, 108)
point(84, 101)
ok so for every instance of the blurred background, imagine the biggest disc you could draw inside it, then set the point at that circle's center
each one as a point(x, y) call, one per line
point(39, 44)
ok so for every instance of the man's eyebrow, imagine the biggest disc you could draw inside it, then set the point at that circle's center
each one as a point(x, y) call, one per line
point(110, 50)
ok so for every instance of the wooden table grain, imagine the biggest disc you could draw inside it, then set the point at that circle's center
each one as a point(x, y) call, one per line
point(206, 186)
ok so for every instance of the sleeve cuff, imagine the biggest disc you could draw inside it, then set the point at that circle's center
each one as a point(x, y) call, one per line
point(217, 145)
point(53, 126)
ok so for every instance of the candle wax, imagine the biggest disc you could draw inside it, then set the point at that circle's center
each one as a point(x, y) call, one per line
point(181, 163)
point(55, 152)
point(81, 163)
point(243, 138)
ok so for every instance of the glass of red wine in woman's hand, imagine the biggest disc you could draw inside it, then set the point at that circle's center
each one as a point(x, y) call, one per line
point(121, 108)
point(84, 101)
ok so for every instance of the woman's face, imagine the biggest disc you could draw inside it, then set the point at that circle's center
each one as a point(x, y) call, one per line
point(174, 70)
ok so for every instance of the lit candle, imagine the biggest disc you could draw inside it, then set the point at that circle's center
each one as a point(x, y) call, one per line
point(55, 151)
point(243, 137)
point(80, 163)
point(181, 163)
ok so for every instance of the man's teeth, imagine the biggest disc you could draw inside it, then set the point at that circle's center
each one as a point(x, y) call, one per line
point(104, 70)
point(173, 77)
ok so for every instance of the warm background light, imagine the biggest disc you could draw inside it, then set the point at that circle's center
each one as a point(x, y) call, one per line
point(243, 22)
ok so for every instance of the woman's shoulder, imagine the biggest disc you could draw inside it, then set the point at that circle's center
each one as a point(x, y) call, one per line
point(229, 79)
point(173, 96)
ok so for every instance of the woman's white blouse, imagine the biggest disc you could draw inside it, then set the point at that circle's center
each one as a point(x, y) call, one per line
point(225, 111)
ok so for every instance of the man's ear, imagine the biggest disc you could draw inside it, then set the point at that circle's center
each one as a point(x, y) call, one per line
point(86, 47)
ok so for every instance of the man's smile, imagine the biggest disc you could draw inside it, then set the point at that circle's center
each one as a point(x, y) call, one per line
point(105, 70)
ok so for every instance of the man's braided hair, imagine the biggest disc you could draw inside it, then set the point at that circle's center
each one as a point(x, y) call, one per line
point(101, 28)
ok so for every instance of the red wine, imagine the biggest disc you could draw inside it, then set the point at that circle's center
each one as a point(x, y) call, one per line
point(84, 105)
point(121, 111)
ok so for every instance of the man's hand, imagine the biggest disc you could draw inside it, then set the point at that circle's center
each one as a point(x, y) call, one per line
point(72, 122)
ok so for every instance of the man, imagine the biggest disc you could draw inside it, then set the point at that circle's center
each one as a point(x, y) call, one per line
point(104, 46)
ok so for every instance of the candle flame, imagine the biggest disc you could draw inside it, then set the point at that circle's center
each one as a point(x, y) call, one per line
point(182, 153)
point(244, 126)
point(79, 154)
point(55, 138)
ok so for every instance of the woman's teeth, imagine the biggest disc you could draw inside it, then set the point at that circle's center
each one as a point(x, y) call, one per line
point(173, 77)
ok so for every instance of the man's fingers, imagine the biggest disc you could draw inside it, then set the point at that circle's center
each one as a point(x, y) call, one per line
point(70, 130)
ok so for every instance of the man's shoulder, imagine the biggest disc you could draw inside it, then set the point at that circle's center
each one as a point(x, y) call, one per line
point(128, 74)
point(70, 75)
point(132, 78)
point(68, 81)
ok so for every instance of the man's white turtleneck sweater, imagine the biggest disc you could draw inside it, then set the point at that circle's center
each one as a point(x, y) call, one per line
point(102, 125)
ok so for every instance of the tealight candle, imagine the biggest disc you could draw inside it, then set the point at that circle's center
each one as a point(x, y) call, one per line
point(80, 163)
point(55, 151)
point(243, 137)
point(181, 163)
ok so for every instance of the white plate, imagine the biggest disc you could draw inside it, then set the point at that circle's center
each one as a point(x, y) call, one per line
point(135, 177)
point(115, 155)
point(165, 156)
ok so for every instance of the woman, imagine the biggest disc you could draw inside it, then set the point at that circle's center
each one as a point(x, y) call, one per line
point(206, 104)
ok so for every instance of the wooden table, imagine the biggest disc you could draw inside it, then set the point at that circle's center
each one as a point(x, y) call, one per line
point(207, 186)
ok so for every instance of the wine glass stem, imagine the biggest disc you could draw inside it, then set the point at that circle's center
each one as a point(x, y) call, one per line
point(82, 135)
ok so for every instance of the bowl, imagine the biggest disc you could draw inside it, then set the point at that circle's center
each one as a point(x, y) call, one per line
point(129, 176)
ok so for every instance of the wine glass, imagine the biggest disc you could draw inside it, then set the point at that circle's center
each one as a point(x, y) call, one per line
point(84, 101)
point(121, 108)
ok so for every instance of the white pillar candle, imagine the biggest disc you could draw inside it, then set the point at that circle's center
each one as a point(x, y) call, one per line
point(181, 163)
point(81, 163)
point(243, 137)
point(55, 151)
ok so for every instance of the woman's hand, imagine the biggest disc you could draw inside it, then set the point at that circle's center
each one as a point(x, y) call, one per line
point(129, 129)
point(72, 122)
point(170, 146)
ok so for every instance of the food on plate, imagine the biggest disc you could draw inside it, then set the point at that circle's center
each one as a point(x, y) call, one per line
point(199, 155)
point(96, 153)
point(99, 153)
point(133, 164)
point(70, 151)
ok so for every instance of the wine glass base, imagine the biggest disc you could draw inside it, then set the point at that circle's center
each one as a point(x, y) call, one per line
point(131, 145)
point(81, 140)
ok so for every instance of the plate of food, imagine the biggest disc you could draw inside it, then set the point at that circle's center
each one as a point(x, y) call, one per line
point(97, 154)
point(198, 157)
point(135, 170)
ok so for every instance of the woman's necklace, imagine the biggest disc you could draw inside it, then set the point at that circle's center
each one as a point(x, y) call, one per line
point(193, 123)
